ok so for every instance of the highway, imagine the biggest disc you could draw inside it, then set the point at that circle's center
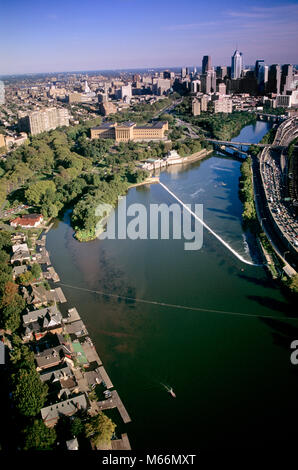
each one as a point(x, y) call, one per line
point(277, 216)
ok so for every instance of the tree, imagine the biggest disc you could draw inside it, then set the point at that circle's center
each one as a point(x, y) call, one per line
point(29, 392)
point(100, 429)
point(36, 191)
point(38, 437)
point(20, 356)
point(12, 304)
point(11, 319)
point(5, 240)
point(76, 427)
point(25, 278)
point(293, 284)
point(35, 270)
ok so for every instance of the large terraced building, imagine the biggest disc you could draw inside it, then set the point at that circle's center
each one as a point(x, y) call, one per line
point(127, 131)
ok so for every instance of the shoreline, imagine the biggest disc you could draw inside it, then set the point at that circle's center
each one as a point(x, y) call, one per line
point(153, 180)
point(113, 401)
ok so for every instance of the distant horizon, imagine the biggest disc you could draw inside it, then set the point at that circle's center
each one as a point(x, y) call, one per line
point(70, 36)
point(128, 69)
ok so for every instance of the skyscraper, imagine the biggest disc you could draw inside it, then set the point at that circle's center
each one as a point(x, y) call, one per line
point(262, 78)
point(259, 62)
point(208, 82)
point(274, 76)
point(221, 72)
point(286, 78)
point(2, 93)
point(206, 63)
point(236, 64)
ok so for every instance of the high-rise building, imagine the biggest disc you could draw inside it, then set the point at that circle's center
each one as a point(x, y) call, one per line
point(136, 78)
point(223, 105)
point(274, 77)
point(262, 78)
point(236, 64)
point(183, 72)
point(126, 91)
point(247, 84)
point(206, 63)
point(44, 120)
point(286, 78)
point(283, 101)
point(204, 100)
point(208, 82)
point(222, 89)
point(2, 93)
point(196, 107)
point(161, 86)
point(221, 72)
point(259, 62)
point(166, 74)
point(195, 86)
point(102, 97)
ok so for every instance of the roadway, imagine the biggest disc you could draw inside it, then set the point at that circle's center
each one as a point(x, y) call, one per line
point(167, 109)
point(277, 215)
point(278, 243)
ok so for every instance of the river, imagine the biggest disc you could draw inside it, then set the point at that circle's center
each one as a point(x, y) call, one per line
point(231, 373)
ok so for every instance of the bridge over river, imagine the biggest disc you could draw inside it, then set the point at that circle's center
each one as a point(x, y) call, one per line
point(235, 144)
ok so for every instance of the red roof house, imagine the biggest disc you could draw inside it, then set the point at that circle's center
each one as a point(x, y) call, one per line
point(27, 221)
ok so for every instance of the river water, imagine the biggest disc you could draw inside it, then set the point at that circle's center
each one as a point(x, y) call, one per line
point(231, 373)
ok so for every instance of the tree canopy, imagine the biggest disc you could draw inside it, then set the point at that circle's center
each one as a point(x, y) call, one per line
point(29, 392)
point(100, 429)
point(37, 436)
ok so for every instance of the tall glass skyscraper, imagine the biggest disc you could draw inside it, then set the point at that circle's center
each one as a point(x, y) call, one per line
point(2, 93)
point(237, 64)
point(206, 63)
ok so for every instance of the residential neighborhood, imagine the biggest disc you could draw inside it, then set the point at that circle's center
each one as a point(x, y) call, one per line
point(65, 358)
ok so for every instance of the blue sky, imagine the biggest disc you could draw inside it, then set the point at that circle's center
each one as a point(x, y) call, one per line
point(44, 36)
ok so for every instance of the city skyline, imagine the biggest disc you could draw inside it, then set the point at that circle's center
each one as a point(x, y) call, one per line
point(125, 35)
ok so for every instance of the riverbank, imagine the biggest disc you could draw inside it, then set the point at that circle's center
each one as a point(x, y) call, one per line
point(197, 156)
point(150, 180)
point(92, 234)
point(86, 359)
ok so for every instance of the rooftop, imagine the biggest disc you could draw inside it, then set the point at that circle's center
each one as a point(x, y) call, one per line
point(67, 407)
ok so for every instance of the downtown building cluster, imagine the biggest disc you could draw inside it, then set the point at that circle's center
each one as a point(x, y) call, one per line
point(218, 89)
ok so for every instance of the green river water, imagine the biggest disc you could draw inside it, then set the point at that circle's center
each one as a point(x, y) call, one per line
point(232, 375)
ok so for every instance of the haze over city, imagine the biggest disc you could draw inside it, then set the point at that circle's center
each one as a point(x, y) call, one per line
point(91, 35)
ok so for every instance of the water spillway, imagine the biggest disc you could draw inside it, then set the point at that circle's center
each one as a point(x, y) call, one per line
point(234, 252)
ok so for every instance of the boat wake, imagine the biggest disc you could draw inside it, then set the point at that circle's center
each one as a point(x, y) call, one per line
point(221, 168)
point(201, 190)
point(169, 389)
